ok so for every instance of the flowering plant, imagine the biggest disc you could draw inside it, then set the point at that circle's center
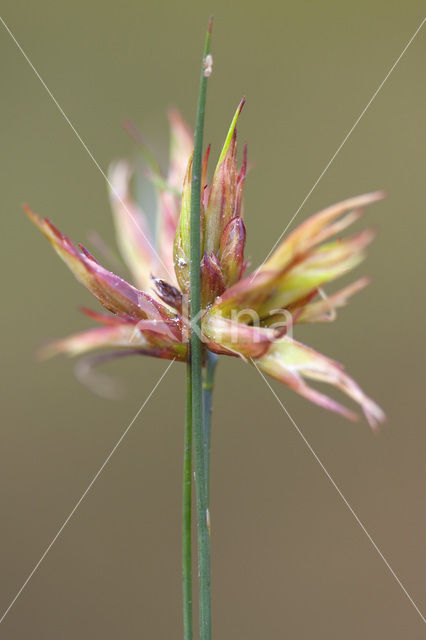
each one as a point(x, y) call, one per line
point(193, 300)
point(248, 316)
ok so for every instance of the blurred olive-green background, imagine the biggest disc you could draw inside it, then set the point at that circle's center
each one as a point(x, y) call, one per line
point(289, 560)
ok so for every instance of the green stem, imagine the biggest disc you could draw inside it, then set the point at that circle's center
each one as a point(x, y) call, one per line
point(197, 358)
point(186, 515)
point(208, 383)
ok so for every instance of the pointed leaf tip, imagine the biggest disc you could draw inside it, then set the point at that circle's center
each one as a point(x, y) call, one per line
point(231, 132)
point(241, 105)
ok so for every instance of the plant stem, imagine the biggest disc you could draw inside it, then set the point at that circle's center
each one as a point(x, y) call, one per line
point(197, 357)
point(187, 515)
point(208, 383)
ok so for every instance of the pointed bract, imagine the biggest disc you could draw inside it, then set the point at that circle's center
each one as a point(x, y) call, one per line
point(240, 339)
point(181, 143)
point(133, 236)
point(323, 264)
point(325, 310)
point(291, 361)
point(114, 293)
point(181, 251)
point(240, 185)
point(317, 228)
point(225, 192)
point(125, 337)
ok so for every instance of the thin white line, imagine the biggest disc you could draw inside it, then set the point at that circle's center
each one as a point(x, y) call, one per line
point(86, 148)
point(344, 142)
point(342, 496)
point(96, 476)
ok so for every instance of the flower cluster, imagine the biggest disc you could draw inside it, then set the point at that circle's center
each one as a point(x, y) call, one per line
point(248, 316)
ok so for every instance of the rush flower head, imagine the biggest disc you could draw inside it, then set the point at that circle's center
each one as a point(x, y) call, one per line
point(247, 316)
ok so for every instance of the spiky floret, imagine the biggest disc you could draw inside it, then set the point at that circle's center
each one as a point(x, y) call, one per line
point(247, 316)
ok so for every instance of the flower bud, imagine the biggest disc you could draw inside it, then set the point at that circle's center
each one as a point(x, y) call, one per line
point(212, 284)
point(231, 252)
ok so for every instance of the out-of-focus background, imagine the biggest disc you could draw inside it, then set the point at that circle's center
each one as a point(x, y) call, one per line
point(289, 560)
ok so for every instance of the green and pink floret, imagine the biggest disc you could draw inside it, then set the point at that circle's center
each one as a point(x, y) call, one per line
point(243, 315)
